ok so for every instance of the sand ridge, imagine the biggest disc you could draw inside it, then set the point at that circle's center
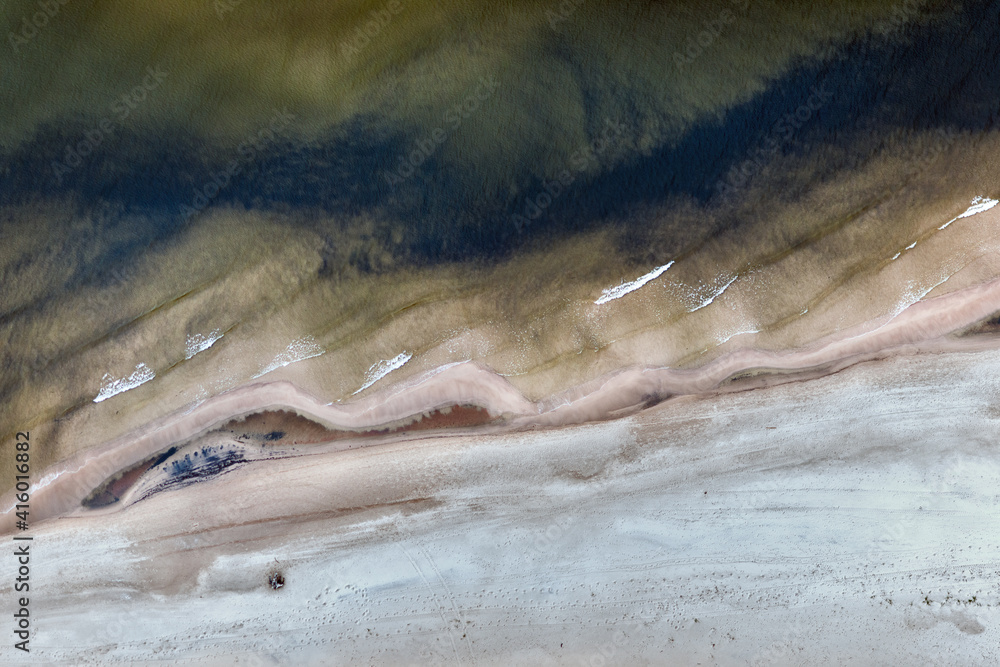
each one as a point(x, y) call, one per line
point(62, 487)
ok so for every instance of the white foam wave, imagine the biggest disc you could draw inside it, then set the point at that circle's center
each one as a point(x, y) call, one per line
point(382, 368)
point(298, 350)
point(112, 386)
point(619, 291)
point(200, 342)
point(979, 204)
point(715, 296)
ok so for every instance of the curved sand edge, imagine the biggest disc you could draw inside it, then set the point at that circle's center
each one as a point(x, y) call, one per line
point(62, 487)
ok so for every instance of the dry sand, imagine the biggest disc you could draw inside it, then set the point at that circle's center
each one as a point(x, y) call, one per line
point(851, 518)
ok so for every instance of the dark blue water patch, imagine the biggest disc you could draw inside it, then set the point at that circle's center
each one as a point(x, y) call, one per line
point(163, 172)
point(943, 74)
point(115, 486)
point(202, 463)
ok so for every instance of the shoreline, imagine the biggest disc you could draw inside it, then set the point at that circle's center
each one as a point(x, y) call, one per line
point(921, 328)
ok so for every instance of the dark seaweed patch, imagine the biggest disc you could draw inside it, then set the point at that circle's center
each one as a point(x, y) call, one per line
point(989, 327)
point(201, 464)
point(112, 489)
point(198, 466)
point(207, 462)
point(653, 399)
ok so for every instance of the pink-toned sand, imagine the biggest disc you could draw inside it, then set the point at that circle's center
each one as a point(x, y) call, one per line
point(60, 489)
